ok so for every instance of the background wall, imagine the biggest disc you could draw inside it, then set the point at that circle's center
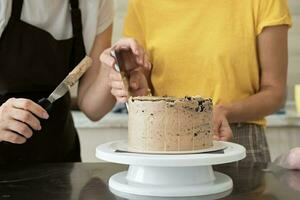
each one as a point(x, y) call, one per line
point(294, 49)
point(120, 11)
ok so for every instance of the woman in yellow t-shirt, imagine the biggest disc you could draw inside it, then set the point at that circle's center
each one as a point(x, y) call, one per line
point(232, 51)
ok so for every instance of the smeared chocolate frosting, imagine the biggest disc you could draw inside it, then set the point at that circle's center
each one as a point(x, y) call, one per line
point(169, 123)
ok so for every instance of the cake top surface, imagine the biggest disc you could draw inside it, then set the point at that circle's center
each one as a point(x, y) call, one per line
point(168, 98)
point(195, 103)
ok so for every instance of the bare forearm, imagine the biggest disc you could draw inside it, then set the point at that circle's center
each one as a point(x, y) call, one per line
point(94, 97)
point(272, 53)
point(96, 100)
point(255, 107)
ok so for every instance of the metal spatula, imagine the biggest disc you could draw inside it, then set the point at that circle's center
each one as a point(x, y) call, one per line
point(66, 84)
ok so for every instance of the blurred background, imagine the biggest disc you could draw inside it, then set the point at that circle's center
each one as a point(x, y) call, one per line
point(283, 129)
point(294, 49)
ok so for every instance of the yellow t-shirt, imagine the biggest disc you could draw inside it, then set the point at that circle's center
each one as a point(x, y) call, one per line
point(204, 47)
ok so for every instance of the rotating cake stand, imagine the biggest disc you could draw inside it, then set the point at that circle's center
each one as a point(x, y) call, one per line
point(170, 175)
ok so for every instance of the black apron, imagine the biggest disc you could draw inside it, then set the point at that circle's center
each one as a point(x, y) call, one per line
point(32, 64)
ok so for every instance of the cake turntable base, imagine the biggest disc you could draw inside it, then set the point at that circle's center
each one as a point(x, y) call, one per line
point(162, 175)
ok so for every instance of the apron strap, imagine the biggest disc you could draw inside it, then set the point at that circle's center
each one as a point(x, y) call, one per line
point(78, 44)
point(74, 4)
point(76, 19)
point(16, 9)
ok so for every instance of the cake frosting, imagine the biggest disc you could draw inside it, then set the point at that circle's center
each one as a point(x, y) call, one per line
point(169, 123)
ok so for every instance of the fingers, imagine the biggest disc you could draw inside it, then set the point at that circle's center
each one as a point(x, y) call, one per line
point(133, 45)
point(26, 117)
point(216, 137)
point(116, 81)
point(226, 135)
point(107, 59)
point(11, 137)
point(22, 110)
point(216, 126)
point(135, 80)
point(122, 99)
point(147, 63)
point(118, 89)
point(138, 83)
point(117, 85)
point(133, 54)
point(19, 127)
point(31, 106)
point(226, 132)
point(221, 129)
point(17, 117)
point(119, 93)
point(115, 76)
point(120, 96)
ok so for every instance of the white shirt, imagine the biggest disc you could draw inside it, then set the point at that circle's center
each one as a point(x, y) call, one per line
point(54, 16)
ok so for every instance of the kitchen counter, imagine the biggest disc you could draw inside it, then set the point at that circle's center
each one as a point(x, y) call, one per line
point(88, 181)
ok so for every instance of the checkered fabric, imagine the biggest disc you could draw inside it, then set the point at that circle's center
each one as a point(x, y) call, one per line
point(253, 138)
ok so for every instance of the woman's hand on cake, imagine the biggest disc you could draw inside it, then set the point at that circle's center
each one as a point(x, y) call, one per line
point(133, 54)
point(137, 69)
point(138, 85)
point(221, 128)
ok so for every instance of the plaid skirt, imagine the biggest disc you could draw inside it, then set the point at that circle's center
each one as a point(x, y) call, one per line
point(253, 138)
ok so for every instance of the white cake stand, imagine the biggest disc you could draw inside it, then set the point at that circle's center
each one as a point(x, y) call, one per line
point(170, 175)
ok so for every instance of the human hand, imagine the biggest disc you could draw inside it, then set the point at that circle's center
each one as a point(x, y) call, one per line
point(221, 128)
point(18, 117)
point(291, 178)
point(137, 68)
point(138, 85)
point(289, 160)
point(133, 54)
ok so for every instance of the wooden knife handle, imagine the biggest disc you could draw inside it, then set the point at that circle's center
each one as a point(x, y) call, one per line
point(79, 70)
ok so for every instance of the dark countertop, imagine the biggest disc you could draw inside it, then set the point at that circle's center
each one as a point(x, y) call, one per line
point(88, 181)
